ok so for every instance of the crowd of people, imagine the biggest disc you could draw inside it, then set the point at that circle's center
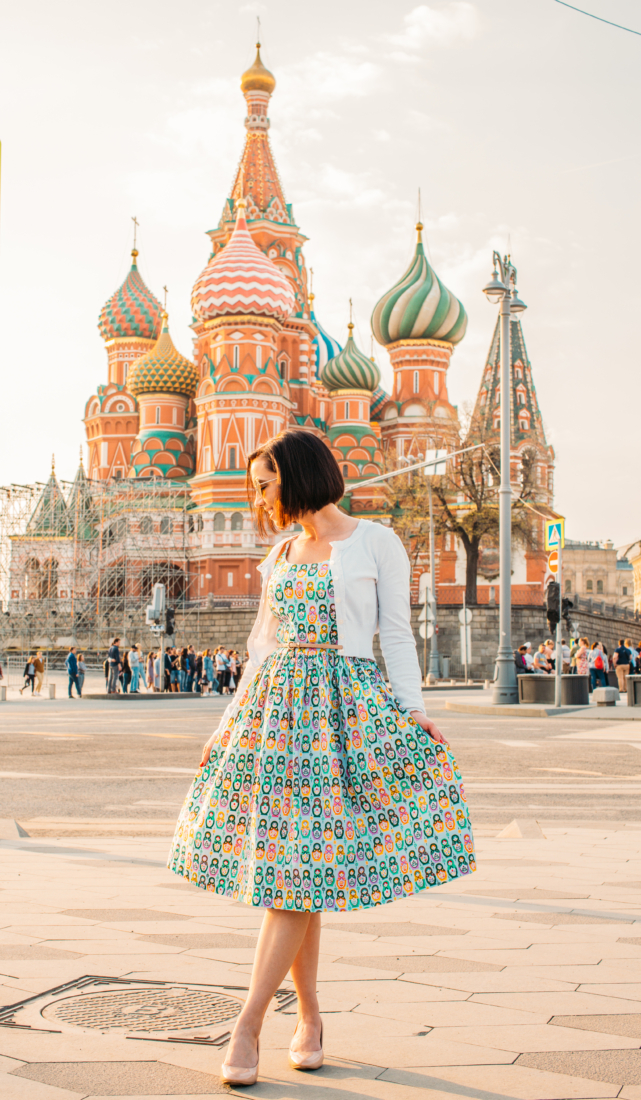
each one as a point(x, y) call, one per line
point(185, 670)
point(581, 658)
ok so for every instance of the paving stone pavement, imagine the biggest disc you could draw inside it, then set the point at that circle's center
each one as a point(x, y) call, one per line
point(522, 982)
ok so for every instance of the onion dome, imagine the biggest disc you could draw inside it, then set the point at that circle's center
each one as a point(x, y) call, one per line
point(350, 369)
point(257, 78)
point(379, 397)
point(132, 311)
point(242, 279)
point(163, 369)
point(326, 346)
point(419, 307)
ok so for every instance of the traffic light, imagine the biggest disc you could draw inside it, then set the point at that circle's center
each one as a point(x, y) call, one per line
point(554, 603)
point(566, 607)
point(170, 621)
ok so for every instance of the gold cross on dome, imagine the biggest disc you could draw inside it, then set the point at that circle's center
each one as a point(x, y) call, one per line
point(136, 227)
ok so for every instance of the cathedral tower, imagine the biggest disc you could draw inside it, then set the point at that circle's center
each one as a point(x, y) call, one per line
point(419, 321)
point(129, 324)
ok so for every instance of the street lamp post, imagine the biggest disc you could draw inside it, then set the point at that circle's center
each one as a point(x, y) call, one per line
point(502, 288)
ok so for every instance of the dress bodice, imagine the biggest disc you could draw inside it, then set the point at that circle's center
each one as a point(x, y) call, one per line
point(302, 599)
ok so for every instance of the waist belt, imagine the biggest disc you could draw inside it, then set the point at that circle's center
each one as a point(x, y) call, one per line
point(312, 645)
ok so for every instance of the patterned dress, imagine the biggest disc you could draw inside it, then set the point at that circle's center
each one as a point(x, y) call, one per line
point(320, 792)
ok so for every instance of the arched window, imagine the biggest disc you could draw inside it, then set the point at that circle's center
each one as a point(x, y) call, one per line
point(237, 522)
point(568, 584)
point(157, 414)
point(415, 381)
point(259, 357)
point(283, 368)
point(347, 410)
point(599, 587)
point(345, 469)
point(232, 458)
point(166, 525)
point(219, 521)
point(146, 526)
point(589, 586)
point(236, 356)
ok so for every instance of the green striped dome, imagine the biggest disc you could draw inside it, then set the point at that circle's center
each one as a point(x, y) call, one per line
point(350, 369)
point(419, 307)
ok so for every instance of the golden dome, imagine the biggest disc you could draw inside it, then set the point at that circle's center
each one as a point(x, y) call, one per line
point(257, 78)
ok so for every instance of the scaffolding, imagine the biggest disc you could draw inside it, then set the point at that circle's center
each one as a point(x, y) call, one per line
point(78, 561)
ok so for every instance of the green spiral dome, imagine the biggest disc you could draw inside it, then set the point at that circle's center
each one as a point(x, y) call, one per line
point(350, 369)
point(419, 307)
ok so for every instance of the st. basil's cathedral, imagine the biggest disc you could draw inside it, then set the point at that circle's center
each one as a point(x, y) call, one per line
point(262, 361)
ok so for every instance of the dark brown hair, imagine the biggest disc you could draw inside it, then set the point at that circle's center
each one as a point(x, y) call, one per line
point(308, 475)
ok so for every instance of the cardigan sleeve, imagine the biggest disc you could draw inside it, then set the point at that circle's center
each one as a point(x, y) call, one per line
point(394, 621)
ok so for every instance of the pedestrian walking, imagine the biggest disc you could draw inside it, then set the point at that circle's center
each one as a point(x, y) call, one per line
point(621, 662)
point(565, 656)
point(39, 666)
point(142, 678)
point(71, 664)
point(115, 665)
point(29, 675)
point(82, 672)
point(313, 714)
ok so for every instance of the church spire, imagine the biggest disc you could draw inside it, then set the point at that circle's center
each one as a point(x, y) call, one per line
point(526, 420)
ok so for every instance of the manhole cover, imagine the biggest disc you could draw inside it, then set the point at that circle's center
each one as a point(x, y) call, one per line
point(172, 1009)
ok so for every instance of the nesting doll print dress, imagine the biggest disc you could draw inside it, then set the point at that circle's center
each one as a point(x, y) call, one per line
point(321, 793)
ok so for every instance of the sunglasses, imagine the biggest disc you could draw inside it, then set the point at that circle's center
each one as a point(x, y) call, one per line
point(260, 486)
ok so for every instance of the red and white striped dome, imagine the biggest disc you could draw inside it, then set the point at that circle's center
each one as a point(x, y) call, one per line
point(241, 279)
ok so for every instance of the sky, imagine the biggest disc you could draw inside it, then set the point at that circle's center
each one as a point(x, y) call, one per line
point(515, 118)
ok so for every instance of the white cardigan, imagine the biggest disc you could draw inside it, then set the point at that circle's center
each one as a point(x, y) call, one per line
point(371, 574)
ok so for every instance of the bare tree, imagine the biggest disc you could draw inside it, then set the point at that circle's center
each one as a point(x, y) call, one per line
point(465, 504)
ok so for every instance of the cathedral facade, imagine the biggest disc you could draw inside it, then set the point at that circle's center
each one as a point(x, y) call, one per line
point(262, 362)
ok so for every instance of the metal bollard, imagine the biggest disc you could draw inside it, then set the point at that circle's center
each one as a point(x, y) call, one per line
point(3, 694)
point(51, 690)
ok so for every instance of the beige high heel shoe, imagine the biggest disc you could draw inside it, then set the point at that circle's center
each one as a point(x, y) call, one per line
point(238, 1075)
point(307, 1059)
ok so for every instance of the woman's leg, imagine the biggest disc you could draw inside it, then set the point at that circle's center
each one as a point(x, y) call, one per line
point(280, 940)
point(304, 974)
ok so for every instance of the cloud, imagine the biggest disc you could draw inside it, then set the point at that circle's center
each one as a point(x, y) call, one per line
point(443, 26)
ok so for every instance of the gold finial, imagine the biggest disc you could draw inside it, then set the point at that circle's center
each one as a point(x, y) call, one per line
point(350, 326)
point(134, 251)
point(311, 294)
point(165, 319)
point(371, 347)
point(166, 293)
point(257, 78)
point(419, 223)
point(419, 230)
point(53, 465)
point(81, 458)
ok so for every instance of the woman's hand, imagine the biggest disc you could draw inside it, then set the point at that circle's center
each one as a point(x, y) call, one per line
point(207, 747)
point(428, 725)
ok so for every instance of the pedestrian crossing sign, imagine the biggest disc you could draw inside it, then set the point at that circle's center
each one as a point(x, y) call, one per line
point(555, 534)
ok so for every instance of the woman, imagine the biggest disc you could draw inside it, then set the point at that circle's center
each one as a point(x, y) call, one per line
point(325, 779)
point(208, 673)
point(29, 675)
point(597, 665)
point(151, 671)
point(126, 673)
point(82, 671)
point(183, 669)
point(581, 658)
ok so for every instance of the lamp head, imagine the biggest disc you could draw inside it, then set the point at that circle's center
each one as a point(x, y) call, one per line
point(516, 305)
point(495, 289)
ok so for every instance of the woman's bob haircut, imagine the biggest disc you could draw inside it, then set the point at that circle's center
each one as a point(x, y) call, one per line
point(308, 475)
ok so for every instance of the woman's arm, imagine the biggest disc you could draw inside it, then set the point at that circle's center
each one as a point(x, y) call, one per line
point(394, 621)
